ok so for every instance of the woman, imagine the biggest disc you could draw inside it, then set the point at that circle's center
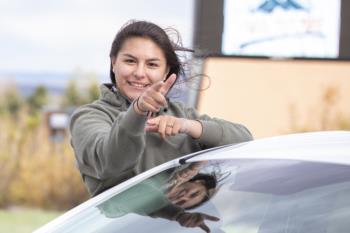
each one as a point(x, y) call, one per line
point(168, 195)
point(133, 126)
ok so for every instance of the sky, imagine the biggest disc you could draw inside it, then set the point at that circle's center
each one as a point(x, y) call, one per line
point(61, 36)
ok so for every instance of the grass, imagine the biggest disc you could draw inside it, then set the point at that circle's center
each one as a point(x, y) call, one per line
point(23, 220)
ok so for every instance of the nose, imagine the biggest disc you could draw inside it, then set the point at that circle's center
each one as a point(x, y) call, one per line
point(140, 71)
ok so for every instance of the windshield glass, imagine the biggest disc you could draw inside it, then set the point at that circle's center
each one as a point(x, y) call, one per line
point(233, 196)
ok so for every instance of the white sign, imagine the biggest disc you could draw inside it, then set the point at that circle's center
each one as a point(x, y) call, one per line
point(59, 121)
point(282, 28)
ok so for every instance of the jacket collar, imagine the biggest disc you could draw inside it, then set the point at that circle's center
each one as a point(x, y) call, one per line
point(113, 96)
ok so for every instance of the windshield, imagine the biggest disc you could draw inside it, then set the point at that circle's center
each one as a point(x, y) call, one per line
point(232, 196)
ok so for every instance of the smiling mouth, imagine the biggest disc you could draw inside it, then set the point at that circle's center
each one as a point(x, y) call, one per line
point(138, 85)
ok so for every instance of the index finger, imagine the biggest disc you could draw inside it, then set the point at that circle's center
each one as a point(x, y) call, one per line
point(211, 218)
point(167, 84)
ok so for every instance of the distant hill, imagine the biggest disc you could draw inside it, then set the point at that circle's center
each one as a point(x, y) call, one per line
point(54, 82)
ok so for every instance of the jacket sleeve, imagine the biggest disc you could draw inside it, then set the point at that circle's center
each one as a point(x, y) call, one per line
point(105, 147)
point(218, 132)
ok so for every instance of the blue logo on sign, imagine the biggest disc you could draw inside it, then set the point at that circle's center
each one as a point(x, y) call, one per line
point(269, 6)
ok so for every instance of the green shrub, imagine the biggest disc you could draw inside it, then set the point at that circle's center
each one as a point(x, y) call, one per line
point(35, 171)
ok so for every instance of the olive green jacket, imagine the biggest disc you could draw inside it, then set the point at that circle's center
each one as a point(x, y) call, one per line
point(111, 145)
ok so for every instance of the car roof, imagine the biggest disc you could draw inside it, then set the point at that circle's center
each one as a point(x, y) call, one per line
point(325, 146)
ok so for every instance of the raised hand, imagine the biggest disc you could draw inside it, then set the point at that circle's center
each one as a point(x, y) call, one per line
point(153, 98)
point(187, 219)
point(188, 173)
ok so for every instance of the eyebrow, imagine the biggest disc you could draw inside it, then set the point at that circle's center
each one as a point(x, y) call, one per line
point(133, 57)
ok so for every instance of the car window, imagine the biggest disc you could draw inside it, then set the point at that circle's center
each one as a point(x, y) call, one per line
point(233, 196)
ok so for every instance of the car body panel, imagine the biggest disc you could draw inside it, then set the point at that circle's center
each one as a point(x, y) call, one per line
point(315, 146)
point(320, 147)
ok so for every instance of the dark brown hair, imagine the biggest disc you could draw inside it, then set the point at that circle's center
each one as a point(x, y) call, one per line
point(157, 35)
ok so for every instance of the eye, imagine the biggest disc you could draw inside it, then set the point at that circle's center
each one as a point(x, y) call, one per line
point(129, 61)
point(193, 195)
point(153, 65)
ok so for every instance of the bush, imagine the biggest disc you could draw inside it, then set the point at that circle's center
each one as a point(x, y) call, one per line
point(36, 172)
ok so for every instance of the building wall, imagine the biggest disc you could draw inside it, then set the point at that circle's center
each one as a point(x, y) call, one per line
point(273, 97)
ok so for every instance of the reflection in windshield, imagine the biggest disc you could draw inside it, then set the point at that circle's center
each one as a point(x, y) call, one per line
point(232, 196)
point(168, 195)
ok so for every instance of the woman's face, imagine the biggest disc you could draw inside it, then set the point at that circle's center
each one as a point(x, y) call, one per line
point(188, 194)
point(139, 63)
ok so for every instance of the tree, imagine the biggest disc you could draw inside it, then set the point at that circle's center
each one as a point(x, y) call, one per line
point(82, 88)
point(13, 102)
point(93, 92)
point(38, 99)
point(72, 96)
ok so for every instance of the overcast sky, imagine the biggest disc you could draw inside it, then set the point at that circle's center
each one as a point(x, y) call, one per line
point(63, 35)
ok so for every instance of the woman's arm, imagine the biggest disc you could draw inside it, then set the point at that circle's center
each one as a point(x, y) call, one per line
point(209, 132)
point(218, 132)
point(107, 146)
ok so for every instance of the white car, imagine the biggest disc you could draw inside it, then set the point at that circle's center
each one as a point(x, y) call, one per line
point(298, 183)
